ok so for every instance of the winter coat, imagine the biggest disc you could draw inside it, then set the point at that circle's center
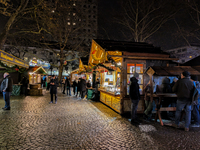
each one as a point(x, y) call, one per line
point(134, 89)
point(7, 84)
point(53, 88)
point(75, 83)
point(184, 89)
point(79, 86)
point(83, 85)
point(67, 83)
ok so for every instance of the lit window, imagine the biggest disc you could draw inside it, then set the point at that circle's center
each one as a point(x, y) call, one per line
point(74, 14)
point(74, 23)
point(68, 23)
point(190, 57)
point(74, 4)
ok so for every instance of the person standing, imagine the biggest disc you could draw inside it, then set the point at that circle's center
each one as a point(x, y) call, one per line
point(68, 84)
point(53, 88)
point(83, 87)
point(135, 97)
point(195, 105)
point(24, 83)
point(6, 88)
point(75, 87)
point(78, 94)
point(64, 82)
point(184, 90)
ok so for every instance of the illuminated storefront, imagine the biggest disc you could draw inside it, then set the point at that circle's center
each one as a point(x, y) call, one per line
point(116, 63)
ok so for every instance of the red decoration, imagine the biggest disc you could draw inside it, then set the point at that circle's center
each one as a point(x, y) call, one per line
point(94, 52)
point(16, 69)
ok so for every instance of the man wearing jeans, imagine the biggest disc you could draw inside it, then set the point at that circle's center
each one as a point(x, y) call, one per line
point(184, 90)
point(6, 88)
point(135, 97)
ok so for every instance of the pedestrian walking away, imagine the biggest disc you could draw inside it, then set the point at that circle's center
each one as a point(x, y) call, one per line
point(53, 88)
point(135, 97)
point(6, 89)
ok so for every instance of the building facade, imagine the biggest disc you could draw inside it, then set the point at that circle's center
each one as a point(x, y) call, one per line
point(185, 53)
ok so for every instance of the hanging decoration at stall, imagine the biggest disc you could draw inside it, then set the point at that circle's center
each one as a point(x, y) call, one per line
point(13, 68)
point(98, 54)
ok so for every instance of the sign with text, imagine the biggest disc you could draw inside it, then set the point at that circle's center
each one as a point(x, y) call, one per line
point(12, 59)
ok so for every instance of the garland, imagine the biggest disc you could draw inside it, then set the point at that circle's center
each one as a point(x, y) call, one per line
point(15, 68)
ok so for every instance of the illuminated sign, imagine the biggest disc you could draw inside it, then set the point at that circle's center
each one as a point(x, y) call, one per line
point(35, 62)
point(12, 59)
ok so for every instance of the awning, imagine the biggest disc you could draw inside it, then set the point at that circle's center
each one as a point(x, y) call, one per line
point(8, 58)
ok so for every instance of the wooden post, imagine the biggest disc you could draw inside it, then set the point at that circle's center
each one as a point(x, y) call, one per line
point(122, 85)
point(151, 87)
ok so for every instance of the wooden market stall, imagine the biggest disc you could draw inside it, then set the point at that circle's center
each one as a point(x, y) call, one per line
point(156, 75)
point(117, 61)
point(81, 71)
point(14, 66)
point(35, 74)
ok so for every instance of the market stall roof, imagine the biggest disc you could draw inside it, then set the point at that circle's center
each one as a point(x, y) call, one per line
point(37, 70)
point(141, 47)
point(103, 50)
point(10, 59)
point(170, 71)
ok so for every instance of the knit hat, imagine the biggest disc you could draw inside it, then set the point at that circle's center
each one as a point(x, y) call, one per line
point(185, 73)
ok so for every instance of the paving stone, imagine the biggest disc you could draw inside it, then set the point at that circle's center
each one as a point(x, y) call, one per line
point(33, 123)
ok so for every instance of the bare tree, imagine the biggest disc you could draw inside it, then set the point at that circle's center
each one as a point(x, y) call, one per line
point(145, 17)
point(12, 11)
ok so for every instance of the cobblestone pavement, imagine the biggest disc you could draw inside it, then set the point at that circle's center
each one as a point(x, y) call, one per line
point(33, 123)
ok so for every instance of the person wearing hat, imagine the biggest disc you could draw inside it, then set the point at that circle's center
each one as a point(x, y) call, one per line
point(184, 90)
point(53, 88)
point(135, 97)
point(195, 110)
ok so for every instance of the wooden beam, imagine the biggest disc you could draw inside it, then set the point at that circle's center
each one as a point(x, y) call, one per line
point(145, 58)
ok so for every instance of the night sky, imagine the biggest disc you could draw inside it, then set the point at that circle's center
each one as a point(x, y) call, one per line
point(168, 37)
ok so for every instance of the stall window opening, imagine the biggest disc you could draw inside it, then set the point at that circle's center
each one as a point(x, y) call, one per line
point(131, 70)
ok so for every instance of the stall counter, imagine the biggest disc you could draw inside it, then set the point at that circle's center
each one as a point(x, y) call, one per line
point(110, 99)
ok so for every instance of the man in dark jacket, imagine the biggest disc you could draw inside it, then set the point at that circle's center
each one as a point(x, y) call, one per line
point(184, 90)
point(53, 89)
point(135, 97)
point(6, 88)
point(83, 87)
